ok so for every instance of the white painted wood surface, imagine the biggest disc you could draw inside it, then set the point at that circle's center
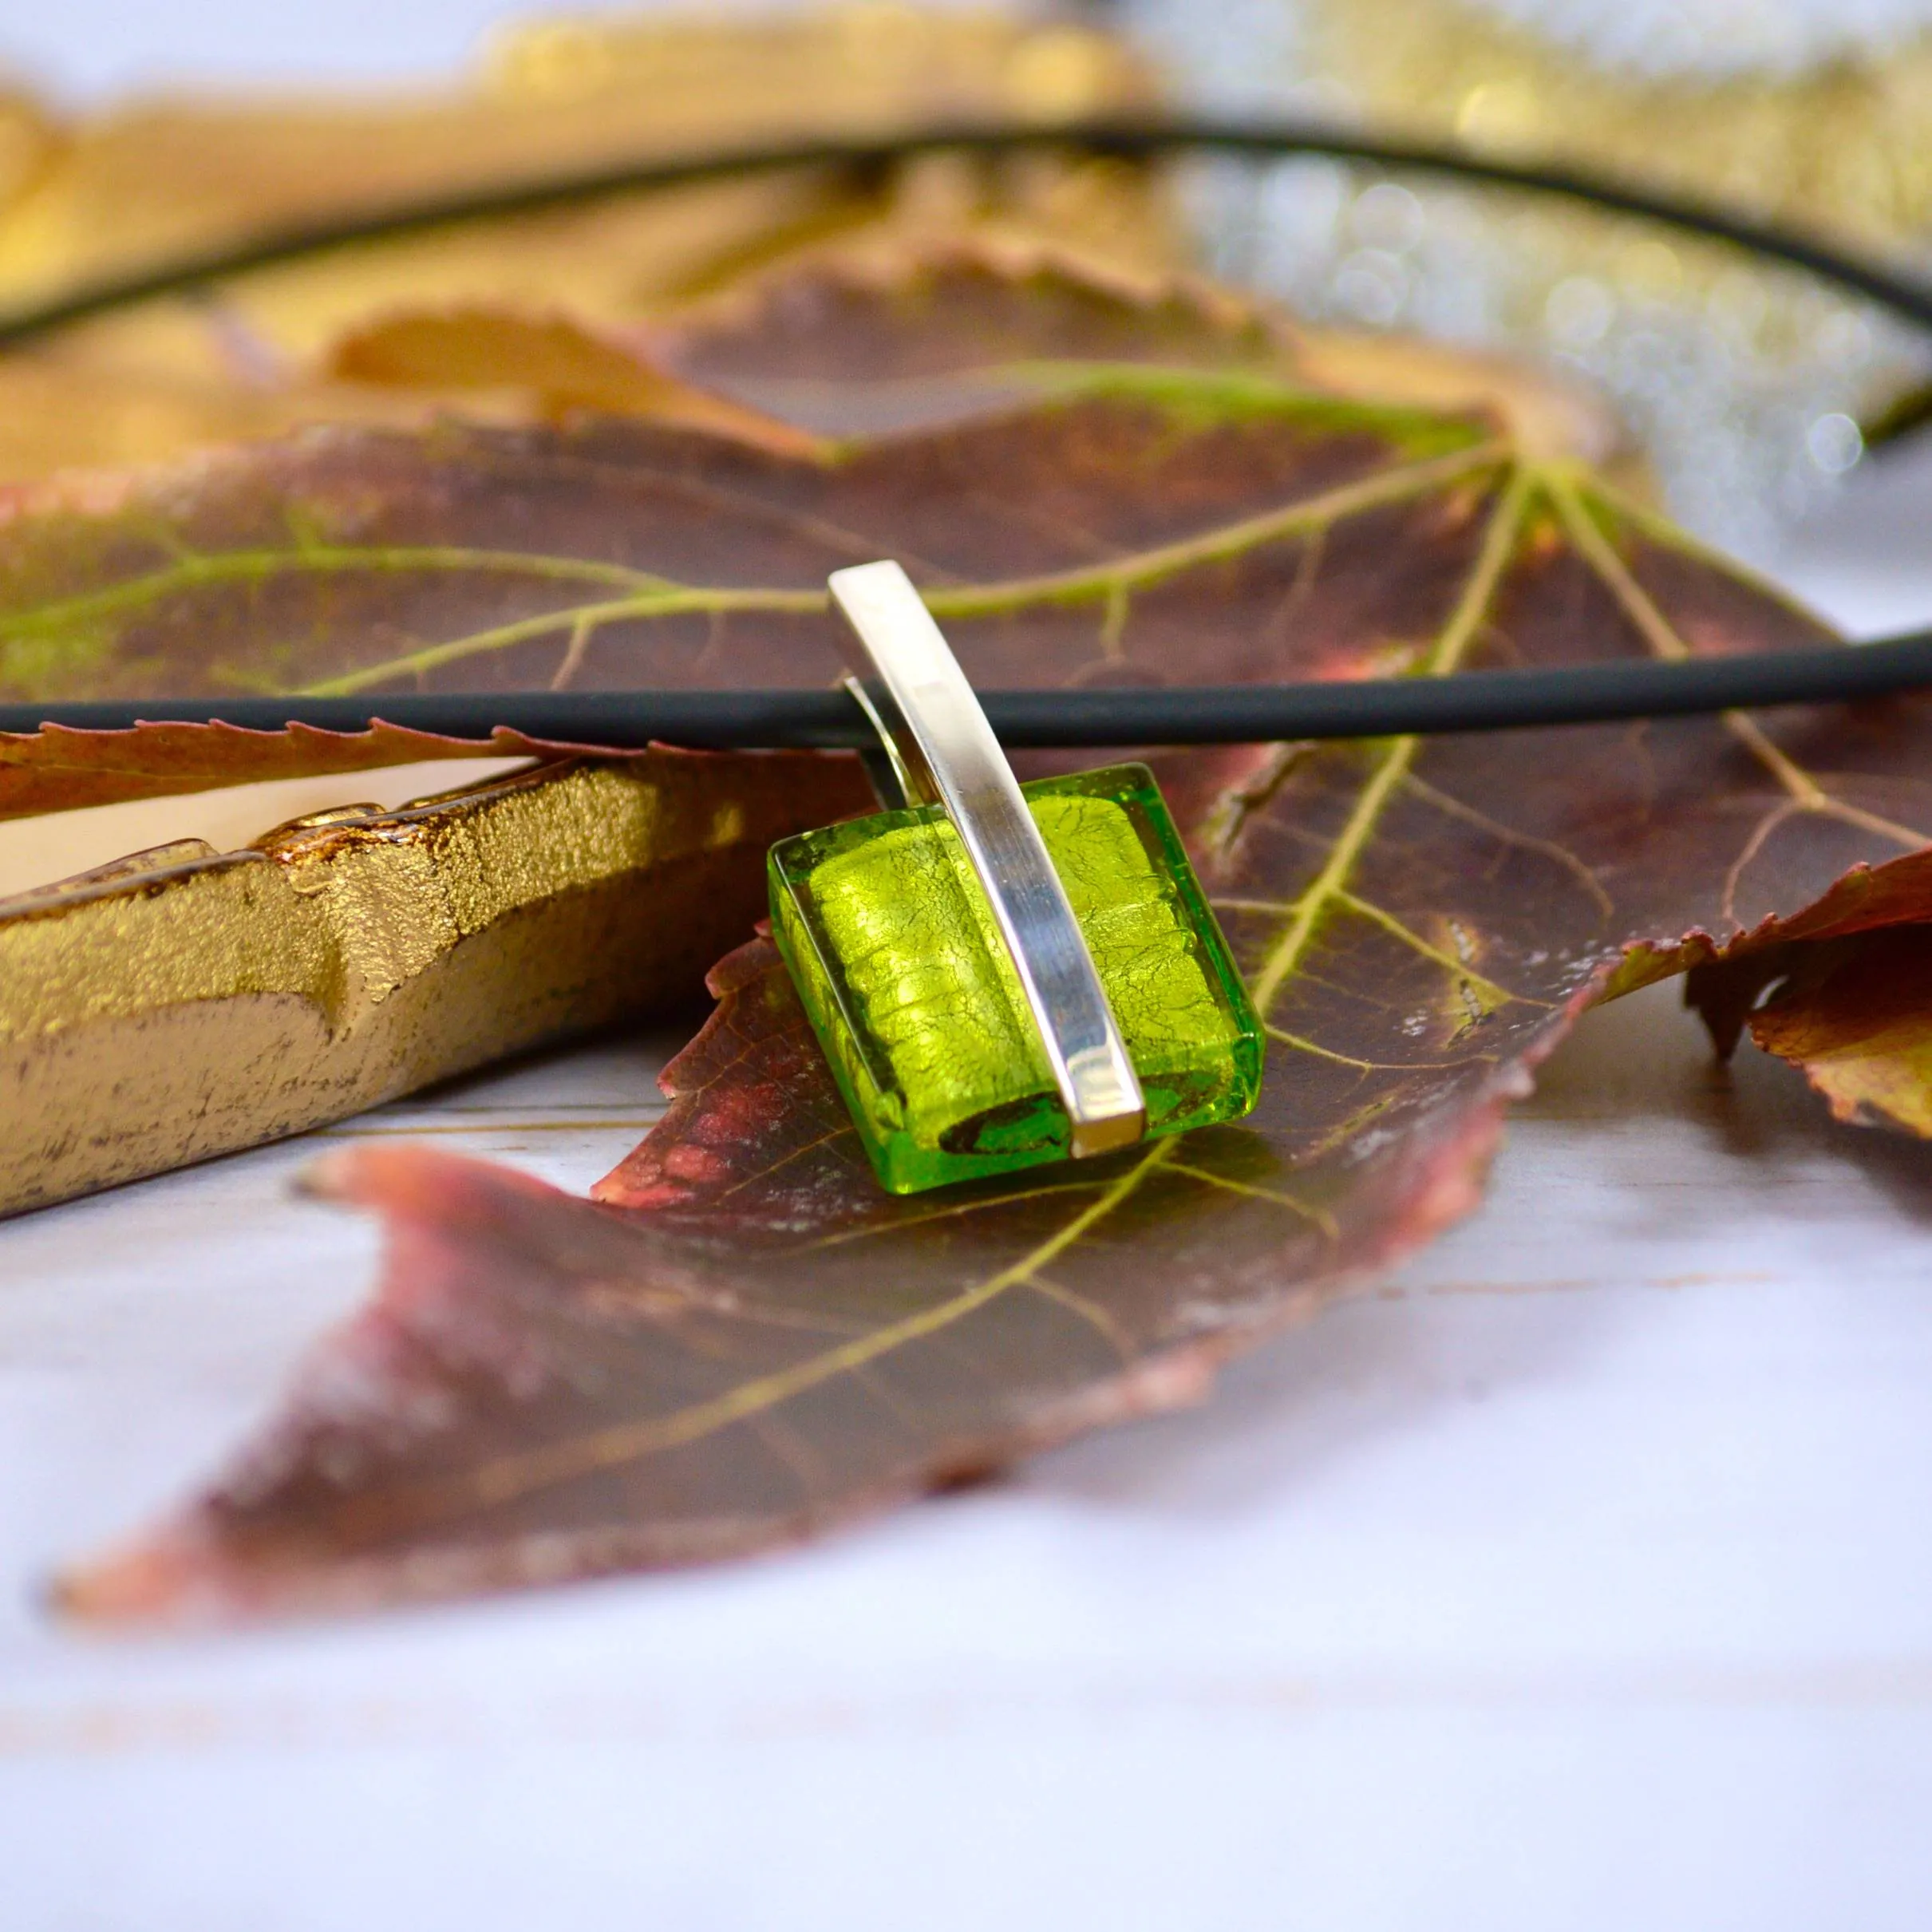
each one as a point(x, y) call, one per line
point(1580, 1577)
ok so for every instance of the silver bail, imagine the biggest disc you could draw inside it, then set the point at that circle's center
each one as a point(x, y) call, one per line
point(940, 744)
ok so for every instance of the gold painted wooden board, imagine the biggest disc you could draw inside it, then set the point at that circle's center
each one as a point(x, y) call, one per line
point(186, 1002)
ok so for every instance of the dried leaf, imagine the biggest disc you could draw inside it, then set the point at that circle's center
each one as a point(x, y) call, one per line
point(564, 367)
point(1852, 1014)
point(55, 769)
point(1855, 1018)
point(617, 555)
point(870, 337)
point(743, 1339)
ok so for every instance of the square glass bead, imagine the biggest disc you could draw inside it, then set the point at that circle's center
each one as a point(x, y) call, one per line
point(909, 988)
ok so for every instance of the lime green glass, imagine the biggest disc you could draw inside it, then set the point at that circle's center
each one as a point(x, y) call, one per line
point(910, 990)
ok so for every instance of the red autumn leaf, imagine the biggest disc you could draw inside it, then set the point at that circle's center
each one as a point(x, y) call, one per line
point(526, 561)
point(1852, 1014)
point(743, 1339)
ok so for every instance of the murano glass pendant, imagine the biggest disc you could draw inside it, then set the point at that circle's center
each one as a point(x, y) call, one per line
point(1000, 974)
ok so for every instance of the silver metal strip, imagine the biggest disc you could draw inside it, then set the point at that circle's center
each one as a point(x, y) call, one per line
point(941, 735)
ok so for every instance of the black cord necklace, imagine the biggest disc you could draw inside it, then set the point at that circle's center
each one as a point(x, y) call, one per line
point(1473, 701)
point(1186, 714)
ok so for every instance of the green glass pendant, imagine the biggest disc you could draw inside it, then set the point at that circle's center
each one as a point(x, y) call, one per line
point(903, 973)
